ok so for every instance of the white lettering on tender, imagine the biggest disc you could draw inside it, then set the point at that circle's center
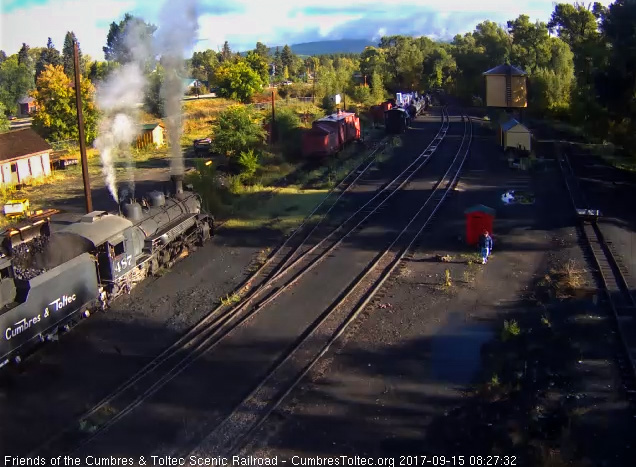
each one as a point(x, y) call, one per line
point(24, 324)
point(62, 302)
point(21, 326)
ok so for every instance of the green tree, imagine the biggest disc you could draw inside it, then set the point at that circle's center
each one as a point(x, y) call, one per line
point(57, 115)
point(530, 45)
point(262, 50)
point(4, 121)
point(618, 81)
point(16, 80)
point(67, 53)
point(48, 56)
point(117, 47)
point(287, 58)
point(238, 129)
point(203, 65)
point(259, 64)
point(3, 56)
point(377, 88)
point(237, 81)
point(153, 101)
point(226, 53)
point(23, 55)
point(372, 61)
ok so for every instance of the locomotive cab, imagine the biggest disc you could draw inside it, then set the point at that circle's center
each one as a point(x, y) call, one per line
point(116, 257)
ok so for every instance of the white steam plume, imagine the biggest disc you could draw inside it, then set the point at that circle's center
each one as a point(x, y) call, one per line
point(117, 98)
point(177, 34)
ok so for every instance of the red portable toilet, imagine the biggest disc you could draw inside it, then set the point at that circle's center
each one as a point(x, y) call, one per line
point(478, 219)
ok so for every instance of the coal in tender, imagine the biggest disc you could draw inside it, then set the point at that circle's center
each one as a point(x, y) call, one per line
point(25, 258)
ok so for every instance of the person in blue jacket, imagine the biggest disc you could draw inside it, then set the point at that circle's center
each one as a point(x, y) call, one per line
point(485, 243)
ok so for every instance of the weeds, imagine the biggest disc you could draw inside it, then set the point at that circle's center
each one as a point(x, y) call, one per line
point(511, 329)
point(447, 278)
point(472, 258)
point(230, 299)
point(564, 280)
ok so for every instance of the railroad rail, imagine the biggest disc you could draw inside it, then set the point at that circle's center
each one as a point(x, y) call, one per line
point(614, 286)
point(206, 334)
point(235, 431)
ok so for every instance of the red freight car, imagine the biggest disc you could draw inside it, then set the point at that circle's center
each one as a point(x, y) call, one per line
point(346, 124)
point(320, 141)
point(377, 112)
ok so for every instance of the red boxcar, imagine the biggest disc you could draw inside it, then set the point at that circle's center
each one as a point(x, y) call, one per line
point(377, 112)
point(320, 141)
point(346, 124)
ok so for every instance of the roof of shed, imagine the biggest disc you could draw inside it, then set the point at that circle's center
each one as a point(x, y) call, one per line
point(151, 126)
point(504, 70)
point(510, 124)
point(21, 143)
point(480, 208)
point(25, 100)
point(103, 227)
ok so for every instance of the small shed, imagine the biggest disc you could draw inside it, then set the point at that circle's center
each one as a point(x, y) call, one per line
point(26, 105)
point(507, 87)
point(151, 133)
point(513, 134)
point(478, 219)
point(23, 155)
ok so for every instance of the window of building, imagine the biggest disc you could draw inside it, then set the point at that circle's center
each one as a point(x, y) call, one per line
point(14, 168)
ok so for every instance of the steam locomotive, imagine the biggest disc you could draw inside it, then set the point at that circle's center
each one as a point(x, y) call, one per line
point(49, 281)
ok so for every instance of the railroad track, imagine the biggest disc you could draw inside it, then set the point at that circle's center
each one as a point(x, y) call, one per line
point(236, 430)
point(610, 275)
point(204, 336)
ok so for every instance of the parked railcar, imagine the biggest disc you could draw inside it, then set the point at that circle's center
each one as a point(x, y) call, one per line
point(319, 141)
point(347, 126)
point(396, 120)
point(49, 281)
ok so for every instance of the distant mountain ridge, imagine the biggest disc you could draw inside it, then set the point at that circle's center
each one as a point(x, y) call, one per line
point(341, 46)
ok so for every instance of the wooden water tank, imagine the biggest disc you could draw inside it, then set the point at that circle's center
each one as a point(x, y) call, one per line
point(506, 87)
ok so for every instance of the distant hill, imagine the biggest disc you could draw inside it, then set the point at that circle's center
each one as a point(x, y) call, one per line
point(342, 46)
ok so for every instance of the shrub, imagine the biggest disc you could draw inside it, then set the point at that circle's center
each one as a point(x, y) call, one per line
point(248, 163)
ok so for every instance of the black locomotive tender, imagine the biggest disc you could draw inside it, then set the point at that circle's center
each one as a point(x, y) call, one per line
point(49, 281)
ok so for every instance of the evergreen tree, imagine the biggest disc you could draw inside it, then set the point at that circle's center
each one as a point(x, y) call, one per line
point(23, 55)
point(49, 56)
point(226, 53)
point(3, 56)
point(262, 50)
point(67, 53)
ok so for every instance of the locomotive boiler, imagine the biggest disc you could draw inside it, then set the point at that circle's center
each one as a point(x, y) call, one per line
point(48, 281)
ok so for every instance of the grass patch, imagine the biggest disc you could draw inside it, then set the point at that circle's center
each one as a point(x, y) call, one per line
point(279, 209)
point(472, 258)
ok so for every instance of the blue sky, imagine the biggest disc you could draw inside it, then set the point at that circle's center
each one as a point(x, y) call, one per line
point(243, 22)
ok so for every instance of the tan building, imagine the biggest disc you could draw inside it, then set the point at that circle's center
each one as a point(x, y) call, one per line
point(152, 133)
point(513, 134)
point(24, 155)
point(506, 86)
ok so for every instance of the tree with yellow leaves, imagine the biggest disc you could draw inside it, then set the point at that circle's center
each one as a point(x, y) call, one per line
point(56, 117)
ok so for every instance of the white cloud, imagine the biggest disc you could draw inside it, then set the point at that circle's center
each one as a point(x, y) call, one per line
point(36, 24)
point(274, 23)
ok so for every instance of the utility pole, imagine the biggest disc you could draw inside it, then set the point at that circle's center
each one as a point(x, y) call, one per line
point(273, 119)
point(82, 137)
